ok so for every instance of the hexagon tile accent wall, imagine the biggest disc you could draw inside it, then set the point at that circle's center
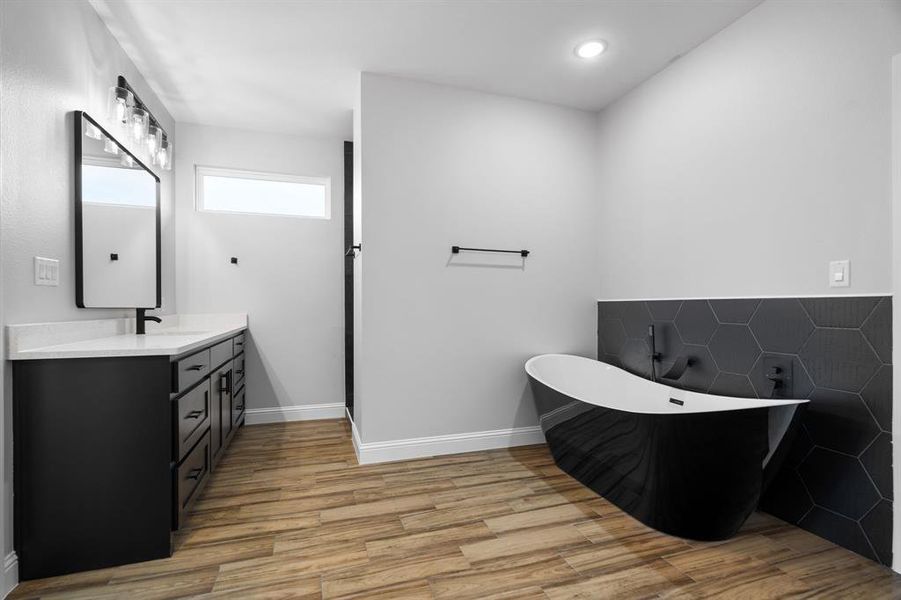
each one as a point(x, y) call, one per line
point(837, 479)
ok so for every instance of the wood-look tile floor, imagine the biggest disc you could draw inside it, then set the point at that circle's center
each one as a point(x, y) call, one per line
point(290, 514)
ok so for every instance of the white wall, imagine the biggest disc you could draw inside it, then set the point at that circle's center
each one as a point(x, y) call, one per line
point(896, 300)
point(749, 164)
point(444, 338)
point(55, 58)
point(289, 277)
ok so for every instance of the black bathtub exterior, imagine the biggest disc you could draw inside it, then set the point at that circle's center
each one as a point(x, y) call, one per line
point(696, 476)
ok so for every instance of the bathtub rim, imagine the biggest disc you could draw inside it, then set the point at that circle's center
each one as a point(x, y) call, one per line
point(742, 403)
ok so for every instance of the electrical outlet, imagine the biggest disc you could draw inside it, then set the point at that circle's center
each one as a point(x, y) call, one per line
point(840, 273)
point(46, 271)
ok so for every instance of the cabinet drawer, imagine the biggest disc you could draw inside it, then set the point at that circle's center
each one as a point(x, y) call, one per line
point(239, 370)
point(192, 414)
point(190, 476)
point(190, 370)
point(220, 353)
point(238, 344)
point(238, 405)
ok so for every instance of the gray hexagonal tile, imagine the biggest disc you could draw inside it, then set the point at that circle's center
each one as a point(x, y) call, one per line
point(839, 312)
point(877, 460)
point(878, 396)
point(731, 384)
point(611, 359)
point(786, 497)
point(696, 322)
point(611, 309)
point(636, 319)
point(878, 329)
point(611, 335)
point(839, 359)
point(669, 344)
point(664, 310)
point(839, 421)
point(636, 357)
point(877, 526)
point(734, 349)
point(837, 529)
point(801, 386)
point(737, 311)
point(838, 482)
point(702, 371)
point(781, 325)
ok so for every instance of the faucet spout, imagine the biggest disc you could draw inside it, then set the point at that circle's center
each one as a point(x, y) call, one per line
point(141, 318)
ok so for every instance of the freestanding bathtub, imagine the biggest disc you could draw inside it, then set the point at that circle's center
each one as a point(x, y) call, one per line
point(688, 464)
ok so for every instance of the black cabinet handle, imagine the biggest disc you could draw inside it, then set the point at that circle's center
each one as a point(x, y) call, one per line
point(194, 414)
point(194, 473)
point(240, 371)
point(239, 408)
point(196, 368)
point(223, 382)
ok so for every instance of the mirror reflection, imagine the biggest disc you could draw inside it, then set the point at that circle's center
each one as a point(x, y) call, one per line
point(117, 223)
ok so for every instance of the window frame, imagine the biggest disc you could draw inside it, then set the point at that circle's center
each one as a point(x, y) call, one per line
point(200, 171)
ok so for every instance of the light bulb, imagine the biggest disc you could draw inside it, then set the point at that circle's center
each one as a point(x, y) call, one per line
point(119, 101)
point(91, 130)
point(164, 156)
point(138, 124)
point(110, 146)
point(154, 139)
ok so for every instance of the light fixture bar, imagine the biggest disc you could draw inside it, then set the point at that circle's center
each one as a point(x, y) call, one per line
point(123, 83)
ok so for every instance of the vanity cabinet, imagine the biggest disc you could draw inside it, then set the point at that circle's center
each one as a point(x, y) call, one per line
point(111, 453)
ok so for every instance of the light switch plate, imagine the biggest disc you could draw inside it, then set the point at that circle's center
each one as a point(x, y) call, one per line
point(840, 273)
point(46, 271)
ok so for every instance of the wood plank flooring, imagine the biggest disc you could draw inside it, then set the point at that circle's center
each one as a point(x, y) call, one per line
point(290, 514)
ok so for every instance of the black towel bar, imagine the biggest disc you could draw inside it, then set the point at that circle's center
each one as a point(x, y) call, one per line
point(457, 249)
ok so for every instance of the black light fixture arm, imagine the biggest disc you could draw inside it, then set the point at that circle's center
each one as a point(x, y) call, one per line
point(458, 249)
point(123, 83)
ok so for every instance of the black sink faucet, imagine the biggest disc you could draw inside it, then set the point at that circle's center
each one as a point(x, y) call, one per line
point(143, 318)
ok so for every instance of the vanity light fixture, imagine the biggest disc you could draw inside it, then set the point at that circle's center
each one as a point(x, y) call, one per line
point(590, 49)
point(92, 131)
point(126, 110)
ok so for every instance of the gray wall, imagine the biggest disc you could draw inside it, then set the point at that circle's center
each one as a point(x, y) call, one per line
point(444, 338)
point(289, 277)
point(754, 160)
point(55, 57)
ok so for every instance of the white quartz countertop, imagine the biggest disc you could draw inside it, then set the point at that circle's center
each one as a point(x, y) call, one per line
point(177, 334)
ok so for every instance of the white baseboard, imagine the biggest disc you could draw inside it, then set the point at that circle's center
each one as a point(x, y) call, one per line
point(377, 452)
point(10, 574)
point(283, 414)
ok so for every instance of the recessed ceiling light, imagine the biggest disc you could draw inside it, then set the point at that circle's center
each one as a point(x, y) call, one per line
point(591, 49)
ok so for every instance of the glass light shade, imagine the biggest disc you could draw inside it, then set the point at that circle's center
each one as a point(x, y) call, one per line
point(154, 139)
point(164, 156)
point(120, 99)
point(110, 146)
point(137, 125)
point(91, 130)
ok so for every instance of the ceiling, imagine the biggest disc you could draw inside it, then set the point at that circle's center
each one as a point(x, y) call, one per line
point(292, 66)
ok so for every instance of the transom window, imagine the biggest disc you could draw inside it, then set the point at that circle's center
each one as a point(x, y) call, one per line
point(255, 193)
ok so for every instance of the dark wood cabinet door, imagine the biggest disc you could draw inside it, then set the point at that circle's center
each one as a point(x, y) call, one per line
point(221, 382)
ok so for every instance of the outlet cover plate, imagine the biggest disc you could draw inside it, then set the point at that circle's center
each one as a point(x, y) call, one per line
point(840, 273)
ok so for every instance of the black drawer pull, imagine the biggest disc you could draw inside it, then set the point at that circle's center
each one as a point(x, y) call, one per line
point(239, 408)
point(239, 343)
point(194, 473)
point(240, 371)
point(224, 383)
point(196, 368)
point(194, 414)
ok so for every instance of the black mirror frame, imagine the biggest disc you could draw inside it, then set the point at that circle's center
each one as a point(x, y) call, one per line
point(80, 117)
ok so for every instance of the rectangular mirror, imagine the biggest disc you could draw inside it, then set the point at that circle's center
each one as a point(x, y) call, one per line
point(117, 223)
